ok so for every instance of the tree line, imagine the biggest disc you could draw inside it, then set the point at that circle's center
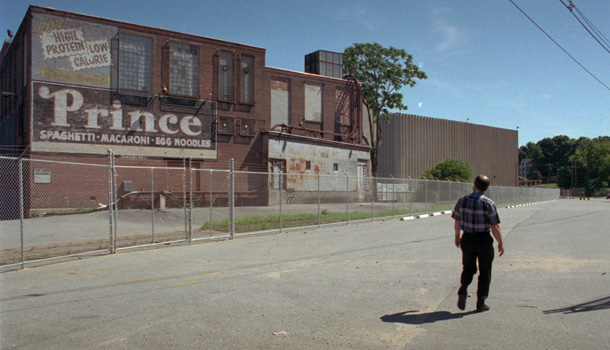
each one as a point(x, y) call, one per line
point(384, 71)
point(571, 163)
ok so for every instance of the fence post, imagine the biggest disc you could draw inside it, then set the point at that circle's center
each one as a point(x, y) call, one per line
point(450, 196)
point(111, 201)
point(231, 199)
point(318, 200)
point(281, 187)
point(393, 195)
point(438, 195)
point(21, 212)
point(372, 198)
point(115, 210)
point(426, 198)
point(186, 229)
point(211, 200)
point(190, 200)
point(347, 196)
point(152, 202)
point(409, 185)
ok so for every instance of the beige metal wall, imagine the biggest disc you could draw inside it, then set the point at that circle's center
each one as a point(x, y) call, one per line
point(411, 144)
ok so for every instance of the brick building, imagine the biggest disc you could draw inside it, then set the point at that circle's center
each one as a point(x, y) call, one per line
point(75, 86)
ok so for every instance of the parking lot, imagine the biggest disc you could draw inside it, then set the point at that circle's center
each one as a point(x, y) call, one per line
point(387, 284)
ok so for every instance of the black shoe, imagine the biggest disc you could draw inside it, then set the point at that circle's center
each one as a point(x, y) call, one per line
point(461, 304)
point(482, 308)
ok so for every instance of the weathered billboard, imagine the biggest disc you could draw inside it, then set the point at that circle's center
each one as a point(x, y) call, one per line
point(85, 120)
point(72, 51)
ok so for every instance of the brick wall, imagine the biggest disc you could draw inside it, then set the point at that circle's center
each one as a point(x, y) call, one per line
point(87, 185)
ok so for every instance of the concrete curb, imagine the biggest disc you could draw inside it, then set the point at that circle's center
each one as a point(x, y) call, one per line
point(523, 205)
point(423, 216)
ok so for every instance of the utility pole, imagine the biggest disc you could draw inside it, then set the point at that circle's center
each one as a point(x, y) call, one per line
point(550, 172)
point(574, 173)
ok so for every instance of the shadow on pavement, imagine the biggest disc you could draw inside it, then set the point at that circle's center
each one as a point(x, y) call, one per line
point(598, 304)
point(410, 317)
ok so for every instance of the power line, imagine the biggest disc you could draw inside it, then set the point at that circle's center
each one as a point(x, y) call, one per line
point(556, 43)
point(589, 26)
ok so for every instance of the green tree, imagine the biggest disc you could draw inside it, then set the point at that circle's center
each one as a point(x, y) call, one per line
point(581, 162)
point(383, 71)
point(556, 151)
point(595, 155)
point(564, 177)
point(532, 152)
point(450, 169)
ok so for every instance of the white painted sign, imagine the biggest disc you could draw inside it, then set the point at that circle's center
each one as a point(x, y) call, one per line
point(42, 175)
point(71, 43)
point(70, 50)
point(83, 120)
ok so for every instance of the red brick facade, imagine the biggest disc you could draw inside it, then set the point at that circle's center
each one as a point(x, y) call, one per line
point(68, 101)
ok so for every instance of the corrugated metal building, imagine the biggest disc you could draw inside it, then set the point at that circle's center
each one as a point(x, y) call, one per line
point(412, 144)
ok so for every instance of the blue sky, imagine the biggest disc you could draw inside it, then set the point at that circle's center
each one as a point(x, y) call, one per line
point(485, 61)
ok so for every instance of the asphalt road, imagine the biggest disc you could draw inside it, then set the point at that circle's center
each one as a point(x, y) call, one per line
point(378, 285)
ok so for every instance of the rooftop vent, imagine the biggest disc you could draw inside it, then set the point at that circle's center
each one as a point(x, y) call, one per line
point(325, 63)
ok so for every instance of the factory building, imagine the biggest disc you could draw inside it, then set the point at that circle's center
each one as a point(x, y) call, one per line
point(412, 144)
point(75, 86)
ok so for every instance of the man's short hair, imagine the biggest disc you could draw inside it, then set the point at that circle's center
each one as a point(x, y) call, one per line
point(481, 183)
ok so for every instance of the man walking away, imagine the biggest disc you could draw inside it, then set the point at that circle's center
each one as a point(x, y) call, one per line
point(476, 215)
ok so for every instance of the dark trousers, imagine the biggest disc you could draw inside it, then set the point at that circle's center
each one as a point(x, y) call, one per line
point(476, 246)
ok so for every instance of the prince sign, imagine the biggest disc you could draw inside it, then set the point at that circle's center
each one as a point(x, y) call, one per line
point(86, 120)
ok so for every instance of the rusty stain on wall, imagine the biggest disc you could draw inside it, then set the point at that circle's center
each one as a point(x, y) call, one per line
point(322, 159)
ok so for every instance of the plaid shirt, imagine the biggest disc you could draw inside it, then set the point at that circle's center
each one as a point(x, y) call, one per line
point(476, 213)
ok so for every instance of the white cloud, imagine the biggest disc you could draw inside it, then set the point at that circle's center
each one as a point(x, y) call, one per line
point(450, 36)
point(358, 14)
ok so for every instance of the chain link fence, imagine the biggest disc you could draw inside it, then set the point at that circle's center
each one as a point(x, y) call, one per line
point(52, 209)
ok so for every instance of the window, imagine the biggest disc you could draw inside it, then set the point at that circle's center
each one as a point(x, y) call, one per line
point(183, 71)
point(313, 102)
point(308, 165)
point(246, 127)
point(247, 79)
point(226, 125)
point(226, 78)
point(277, 167)
point(342, 116)
point(135, 63)
point(280, 101)
point(335, 167)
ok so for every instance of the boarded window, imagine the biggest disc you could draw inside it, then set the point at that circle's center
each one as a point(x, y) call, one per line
point(226, 77)
point(135, 63)
point(247, 79)
point(313, 102)
point(280, 101)
point(277, 167)
point(183, 70)
point(363, 174)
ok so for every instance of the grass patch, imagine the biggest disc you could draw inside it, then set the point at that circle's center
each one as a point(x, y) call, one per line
point(272, 222)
